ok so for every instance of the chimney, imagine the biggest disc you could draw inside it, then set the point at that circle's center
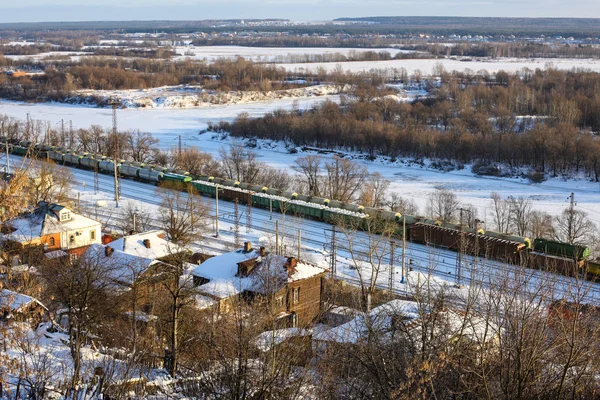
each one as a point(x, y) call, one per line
point(247, 247)
point(262, 251)
point(290, 265)
point(108, 251)
point(147, 243)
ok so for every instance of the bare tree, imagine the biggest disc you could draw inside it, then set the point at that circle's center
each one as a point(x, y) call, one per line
point(182, 214)
point(311, 167)
point(520, 214)
point(140, 146)
point(443, 205)
point(374, 191)
point(397, 203)
point(572, 226)
point(343, 179)
point(500, 212)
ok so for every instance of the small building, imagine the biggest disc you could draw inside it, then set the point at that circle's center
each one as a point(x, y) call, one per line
point(293, 289)
point(19, 307)
point(51, 228)
point(132, 256)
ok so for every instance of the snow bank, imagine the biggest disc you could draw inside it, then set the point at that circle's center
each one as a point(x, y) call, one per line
point(183, 96)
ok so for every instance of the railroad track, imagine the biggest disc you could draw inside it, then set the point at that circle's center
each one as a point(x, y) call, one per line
point(316, 237)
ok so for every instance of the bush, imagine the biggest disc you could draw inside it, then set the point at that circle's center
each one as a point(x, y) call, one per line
point(536, 176)
point(486, 169)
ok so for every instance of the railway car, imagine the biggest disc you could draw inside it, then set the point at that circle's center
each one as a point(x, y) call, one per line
point(150, 175)
point(560, 249)
point(130, 170)
point(89, 161)
point(513, 238)
point(72, 159)
point(204, 187)
point(561, 265)
point(172, 177)
point(107, 165)
point(593, 268)
point(56, 155)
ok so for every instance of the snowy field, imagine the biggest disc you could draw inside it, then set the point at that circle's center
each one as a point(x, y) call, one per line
point(425, 67)
point(265, 54)
point(409, 180)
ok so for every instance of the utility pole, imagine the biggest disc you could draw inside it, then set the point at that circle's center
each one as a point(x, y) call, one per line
point(217, 211)
point(391, 277)
point(570, 222)
point(461, 248)
point(403, 247)
point(115, 150)
point(236, 223)
point(277, 236)
point(249, 213)
point(333, 253)
point(179, 145)
point(299, 242)
point(7, 159)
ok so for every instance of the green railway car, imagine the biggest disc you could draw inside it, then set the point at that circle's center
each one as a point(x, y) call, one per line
point(169, 177)
point(267, 202)
point(205, 188)
point(561, 249)
point(305, 210)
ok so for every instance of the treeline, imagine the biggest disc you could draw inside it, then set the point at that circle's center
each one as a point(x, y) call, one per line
point(463, 123)
point(352, 55)
point(117, 74)
point(508, 50)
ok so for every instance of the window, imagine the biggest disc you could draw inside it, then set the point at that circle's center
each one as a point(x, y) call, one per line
point(294, 320)
point(72, 239)
point(279, 301)
point(295, 295)
point(73, 257)
point(65, 216)
point(51, 242)
point(92, 235)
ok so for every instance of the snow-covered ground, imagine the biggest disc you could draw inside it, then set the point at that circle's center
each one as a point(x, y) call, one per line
point(185, 96)
point(426, 66)
point(409, 180)
point(264, 54)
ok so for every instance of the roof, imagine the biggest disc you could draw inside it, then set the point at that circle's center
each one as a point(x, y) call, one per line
point(16, 301)
point(43, 221)
point(133, 245)
point(266, 340)
point(379, 319)
point(131, 257)
point(268, 275)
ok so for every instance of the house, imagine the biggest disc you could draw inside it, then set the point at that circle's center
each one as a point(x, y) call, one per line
point(53, 229)
point(293, 289)
point(19, 307)
point(403, 319)
point(131, 257)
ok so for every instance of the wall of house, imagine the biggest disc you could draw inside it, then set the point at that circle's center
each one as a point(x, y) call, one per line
point(81, 238)
point(308, 307)
point(46, 241)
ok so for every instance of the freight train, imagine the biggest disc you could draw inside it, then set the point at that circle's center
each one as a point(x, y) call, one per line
point(540, 254)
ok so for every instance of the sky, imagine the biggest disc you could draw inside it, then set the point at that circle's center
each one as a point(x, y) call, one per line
point(299, 10)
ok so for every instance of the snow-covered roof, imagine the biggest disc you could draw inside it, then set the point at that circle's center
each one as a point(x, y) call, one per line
point(133, 245)
point(131, 257)
point(269, 274)
point(77, 222)
point(203, 302)
point(378, 320)
point(44, 221)
point(266, 340)
point(15, 301)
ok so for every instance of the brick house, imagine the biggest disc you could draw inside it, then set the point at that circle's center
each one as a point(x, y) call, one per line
point(50, 228)
point(294, 289)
